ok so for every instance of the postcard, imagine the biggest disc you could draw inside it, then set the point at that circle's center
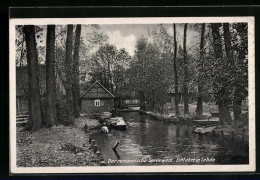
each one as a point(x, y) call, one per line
point(115, 95)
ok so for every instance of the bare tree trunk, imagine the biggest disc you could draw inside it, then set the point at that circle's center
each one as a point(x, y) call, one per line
point(68, 69)
point(35, 120)
point(51, 116)
point(237, 109)
point(22, 52)
point(200, 83)
point(223, 101)
point(75, 83)
point(186, 73)
point(217, 40)
point(177, 112)
point(230, 58)
point(109, 75)
point(227, 39)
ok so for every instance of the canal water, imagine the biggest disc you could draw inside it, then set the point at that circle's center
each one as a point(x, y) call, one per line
point(150, 142)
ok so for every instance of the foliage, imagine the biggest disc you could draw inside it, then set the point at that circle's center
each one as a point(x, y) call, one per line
point(108, 65)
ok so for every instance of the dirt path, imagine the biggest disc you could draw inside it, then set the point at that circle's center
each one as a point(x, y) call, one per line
point(56, 147)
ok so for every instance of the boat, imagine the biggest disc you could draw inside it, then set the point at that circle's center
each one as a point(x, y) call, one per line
point(117, 123)
point(105, 115)
point(204, 129)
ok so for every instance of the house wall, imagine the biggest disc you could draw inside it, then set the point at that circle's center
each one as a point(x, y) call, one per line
point(88, 105)
point(131, 102)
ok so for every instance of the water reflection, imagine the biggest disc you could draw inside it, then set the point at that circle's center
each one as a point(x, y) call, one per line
point(146, 138)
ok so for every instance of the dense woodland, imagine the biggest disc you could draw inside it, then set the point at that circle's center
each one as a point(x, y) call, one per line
point(214, 68)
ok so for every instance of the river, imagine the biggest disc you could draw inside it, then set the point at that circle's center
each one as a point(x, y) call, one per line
point(150, 142)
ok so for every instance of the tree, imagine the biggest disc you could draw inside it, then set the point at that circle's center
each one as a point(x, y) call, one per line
point(186, 72)
point(140, 68)
point(227, 40)
point(177, 112)
point(22, 51)
point(220, 79)
point(51, 112)
point(240, 66)
point(200, 83)
point(68, 70)
point(75, 83)
point(35, 120)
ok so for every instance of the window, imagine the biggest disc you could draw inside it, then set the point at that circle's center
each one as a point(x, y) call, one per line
point(97, 102)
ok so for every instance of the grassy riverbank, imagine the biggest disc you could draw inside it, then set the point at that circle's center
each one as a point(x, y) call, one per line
point(58, 146)
point(238, 130)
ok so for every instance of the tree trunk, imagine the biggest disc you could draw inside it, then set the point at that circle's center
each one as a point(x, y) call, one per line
point(224, 115)
point(227, 39)
point(200, 83)
point(237, 109)
point(230, 60)
point(68, 69)
point(22, 52)
point(199, 109)
point(35, 120)
point(177, 112)
point(223, 101)
point(217, 40)
point(51, 116)
point(186, 73)
point(109, 75)
point(75, 86)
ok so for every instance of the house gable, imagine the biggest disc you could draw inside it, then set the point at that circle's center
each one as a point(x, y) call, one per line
point(97, 91)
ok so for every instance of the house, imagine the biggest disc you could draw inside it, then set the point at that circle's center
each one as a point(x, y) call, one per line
point(22, 87)
point(132, 101)
point(192, 93)
point(97, 99)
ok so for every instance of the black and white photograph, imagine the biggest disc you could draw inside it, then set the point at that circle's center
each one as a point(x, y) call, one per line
point(108, 95)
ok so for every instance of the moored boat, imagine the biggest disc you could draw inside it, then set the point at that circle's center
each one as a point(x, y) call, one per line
point(117, 123)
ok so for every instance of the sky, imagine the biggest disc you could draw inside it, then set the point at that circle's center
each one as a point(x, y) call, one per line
point(126, 35)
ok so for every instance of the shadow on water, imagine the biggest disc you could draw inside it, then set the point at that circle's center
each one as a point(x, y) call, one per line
point(146, 139)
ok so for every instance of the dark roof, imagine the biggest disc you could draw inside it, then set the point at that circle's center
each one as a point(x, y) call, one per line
point(97, 90)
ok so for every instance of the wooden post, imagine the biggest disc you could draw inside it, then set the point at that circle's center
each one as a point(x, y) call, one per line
point(232, 135)
point(115, 146)
point(95, 148)
point(101, 158)
point(102, 163)
point(93, 142)
point(221, 133)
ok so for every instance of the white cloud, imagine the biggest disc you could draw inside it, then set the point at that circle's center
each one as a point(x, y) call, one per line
point(128, 42)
